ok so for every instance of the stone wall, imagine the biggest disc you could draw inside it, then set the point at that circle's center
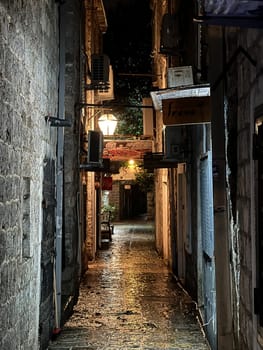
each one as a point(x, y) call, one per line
point(73, 63)
point(114, 199)
point(243, 98)
point(91, 243)
point(28, 89)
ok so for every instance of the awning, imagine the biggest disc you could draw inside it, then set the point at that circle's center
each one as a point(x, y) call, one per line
point(231, 13)
point(183, 105)
point(178, 92)
point(231, 21)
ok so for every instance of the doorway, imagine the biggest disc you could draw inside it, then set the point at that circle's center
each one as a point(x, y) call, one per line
point(181, 221)
point(133, 202)
point(208, 261)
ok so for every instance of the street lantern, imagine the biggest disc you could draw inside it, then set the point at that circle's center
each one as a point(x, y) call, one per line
point(107, 124)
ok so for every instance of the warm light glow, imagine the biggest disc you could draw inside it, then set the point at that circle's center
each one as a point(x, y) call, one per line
point(131, 164)
point(107, 124)
point(258, 123)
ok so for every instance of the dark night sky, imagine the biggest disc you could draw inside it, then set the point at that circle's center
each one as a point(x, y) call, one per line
point(128, 39)
point(128, 44)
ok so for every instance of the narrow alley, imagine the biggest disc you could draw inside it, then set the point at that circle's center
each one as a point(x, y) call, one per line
point(129, 300)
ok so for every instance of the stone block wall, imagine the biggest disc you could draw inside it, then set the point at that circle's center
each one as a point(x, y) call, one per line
point(243, 98)
point(71, 263)
point(28, 90)
point(114, 199)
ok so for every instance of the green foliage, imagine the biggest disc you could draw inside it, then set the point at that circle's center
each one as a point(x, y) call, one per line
point(144, 180)
point(130, 123)
point(130, 119)
point(130, 90)
point(108, 208)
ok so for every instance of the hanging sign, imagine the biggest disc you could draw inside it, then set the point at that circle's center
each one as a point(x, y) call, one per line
point(107, 183)
point(187, 110)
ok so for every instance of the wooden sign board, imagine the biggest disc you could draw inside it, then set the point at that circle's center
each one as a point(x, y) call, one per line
point(187, 110)
point(107, 183)
point(119, 150)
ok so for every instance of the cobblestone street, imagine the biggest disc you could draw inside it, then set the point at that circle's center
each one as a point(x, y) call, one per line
point(129, 300)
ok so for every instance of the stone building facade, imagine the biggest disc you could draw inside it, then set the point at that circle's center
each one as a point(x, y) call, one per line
point(236, 81)
point(49, 211)
point(29, 92)
point(227, 58)
point(95, 25)
point(243, 113)
point(43, 70)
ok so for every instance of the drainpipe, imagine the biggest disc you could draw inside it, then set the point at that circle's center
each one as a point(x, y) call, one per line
point(59, 167)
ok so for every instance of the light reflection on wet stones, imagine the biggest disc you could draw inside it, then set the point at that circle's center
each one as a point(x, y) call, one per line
point(128, 300)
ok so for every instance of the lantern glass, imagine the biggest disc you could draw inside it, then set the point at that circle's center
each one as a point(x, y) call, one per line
point(107, 124)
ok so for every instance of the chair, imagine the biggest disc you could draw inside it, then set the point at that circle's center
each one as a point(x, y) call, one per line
point(106, 226)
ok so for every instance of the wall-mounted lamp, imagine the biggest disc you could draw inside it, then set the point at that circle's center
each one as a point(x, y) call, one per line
point(132, 164)
point(107, 124)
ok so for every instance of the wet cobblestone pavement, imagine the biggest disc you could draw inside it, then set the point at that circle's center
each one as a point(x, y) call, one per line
point(128, 300)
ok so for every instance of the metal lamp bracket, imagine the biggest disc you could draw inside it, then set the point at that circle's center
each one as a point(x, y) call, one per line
point(58, 122)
